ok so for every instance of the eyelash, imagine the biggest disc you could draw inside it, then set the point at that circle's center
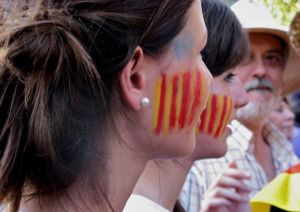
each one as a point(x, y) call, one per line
point(229, 77)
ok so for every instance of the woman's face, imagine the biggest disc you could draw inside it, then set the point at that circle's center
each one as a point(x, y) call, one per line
point(178, 86)
point(283, 118)
point(227, 94)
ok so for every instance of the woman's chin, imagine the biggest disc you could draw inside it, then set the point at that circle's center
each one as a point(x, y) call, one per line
point(208, 146)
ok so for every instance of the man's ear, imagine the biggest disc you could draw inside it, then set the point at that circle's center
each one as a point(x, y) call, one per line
point(132, 80)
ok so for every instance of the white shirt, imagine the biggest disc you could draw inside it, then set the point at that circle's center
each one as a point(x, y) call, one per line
point(137, 203)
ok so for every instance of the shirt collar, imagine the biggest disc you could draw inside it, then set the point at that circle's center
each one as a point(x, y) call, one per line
point(241, 136)
point(279, 144)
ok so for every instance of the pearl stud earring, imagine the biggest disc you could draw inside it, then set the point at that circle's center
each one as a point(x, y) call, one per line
point(145, 101)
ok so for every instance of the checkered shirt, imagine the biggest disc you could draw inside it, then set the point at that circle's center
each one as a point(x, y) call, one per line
point(240, 150)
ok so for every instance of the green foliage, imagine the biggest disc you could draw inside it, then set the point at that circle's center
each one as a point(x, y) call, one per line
point(283, 10)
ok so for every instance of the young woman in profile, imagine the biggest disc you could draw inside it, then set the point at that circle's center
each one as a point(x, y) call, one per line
point(83, 88)
point(162, 181)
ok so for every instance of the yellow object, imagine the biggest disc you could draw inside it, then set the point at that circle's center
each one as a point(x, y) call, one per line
point(282, 192)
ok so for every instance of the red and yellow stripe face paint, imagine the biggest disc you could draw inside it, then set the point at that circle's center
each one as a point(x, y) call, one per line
point(178, 100)
point(216, 116)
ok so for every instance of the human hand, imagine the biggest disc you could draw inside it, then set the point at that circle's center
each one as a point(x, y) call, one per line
point(229, 192)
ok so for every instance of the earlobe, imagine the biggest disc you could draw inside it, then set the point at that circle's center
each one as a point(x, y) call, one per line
point(132, 80)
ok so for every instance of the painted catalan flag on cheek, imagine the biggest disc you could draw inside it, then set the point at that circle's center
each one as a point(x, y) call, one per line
point(283, 192)
point(216, 116)
point(178, 100)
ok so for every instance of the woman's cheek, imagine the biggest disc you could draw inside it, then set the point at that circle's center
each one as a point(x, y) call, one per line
point(216, 116)
point(179, 100)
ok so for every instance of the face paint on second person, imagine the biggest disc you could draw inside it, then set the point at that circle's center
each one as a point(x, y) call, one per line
point(216, 116)
point(227, 94)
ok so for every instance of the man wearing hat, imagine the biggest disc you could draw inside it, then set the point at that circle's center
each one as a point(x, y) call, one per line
point(255, 145)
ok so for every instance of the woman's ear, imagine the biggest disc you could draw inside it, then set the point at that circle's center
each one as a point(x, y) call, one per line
point(132, 80)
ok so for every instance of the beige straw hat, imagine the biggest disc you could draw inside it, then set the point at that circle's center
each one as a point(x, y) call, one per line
point(295, 32)
point(255, 17)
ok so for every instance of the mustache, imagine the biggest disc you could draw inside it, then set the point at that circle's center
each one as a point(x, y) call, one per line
point(259, 84)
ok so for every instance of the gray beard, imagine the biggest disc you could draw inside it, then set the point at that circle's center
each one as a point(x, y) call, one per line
point(256, 112)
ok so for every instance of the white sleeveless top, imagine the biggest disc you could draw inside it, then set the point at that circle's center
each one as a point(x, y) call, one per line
point(137, 203)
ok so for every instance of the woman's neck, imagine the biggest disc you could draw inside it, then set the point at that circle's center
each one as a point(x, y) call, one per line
point(123, 169)
point(162, 181)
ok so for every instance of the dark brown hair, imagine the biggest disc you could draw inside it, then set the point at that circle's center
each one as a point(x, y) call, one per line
point(58, 82)
point(227, 44)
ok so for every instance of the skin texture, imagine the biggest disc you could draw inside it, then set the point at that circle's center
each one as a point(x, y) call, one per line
point(223, 85)
point(265, 63)
point(283, 117)
point(266, 60)
point(180, 61)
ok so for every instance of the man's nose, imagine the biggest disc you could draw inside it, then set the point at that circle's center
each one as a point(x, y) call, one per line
point(259, 69)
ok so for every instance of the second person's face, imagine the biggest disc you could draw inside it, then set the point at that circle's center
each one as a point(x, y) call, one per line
point(227, 94)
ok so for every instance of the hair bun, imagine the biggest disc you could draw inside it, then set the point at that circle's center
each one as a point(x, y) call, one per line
point(7, 65)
